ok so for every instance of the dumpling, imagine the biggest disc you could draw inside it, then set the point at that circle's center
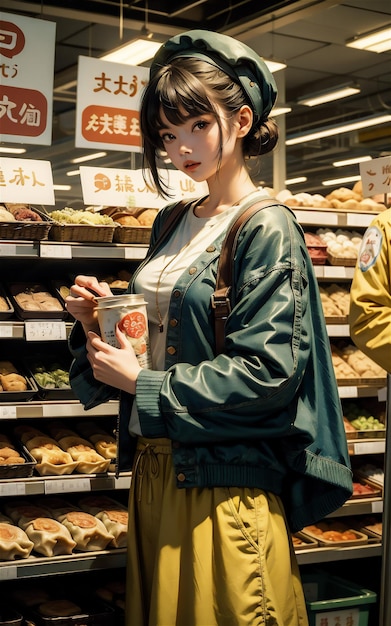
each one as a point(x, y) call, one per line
point(82, 451)
point(14, 543)
point(50, 538)
point(116, 522)
point(89, 533)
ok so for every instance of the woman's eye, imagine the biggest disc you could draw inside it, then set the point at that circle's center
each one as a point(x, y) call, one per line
point(167, 137)
point(200, 125)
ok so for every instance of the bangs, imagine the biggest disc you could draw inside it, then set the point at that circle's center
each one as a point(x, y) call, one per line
point(179, 94)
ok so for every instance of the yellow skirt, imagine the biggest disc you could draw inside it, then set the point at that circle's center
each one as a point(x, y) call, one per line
point(206, 557)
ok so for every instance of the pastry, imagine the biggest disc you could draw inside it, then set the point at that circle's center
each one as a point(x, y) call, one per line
point(14, 543)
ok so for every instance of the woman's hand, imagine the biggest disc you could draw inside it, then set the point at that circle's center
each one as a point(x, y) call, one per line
point(81, 302)
point(117, 367)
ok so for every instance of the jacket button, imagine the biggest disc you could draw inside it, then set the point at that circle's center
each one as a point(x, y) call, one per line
point(211, 248)
point(181, 477)
point(192, 270)
point(173, 322)
point(171, 350)
point(176, 293)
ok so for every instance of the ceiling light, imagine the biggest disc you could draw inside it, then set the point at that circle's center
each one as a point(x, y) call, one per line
point(339, 129)
point(12, 150)
point(275, 66)
point(73, 173)
point(329, 95)
point(282, 110)
point(352, 161)
point(341, 181)
point(62, 187)
point(89, 157)
point(376, 41)
point(295, 181)
point(133, 53)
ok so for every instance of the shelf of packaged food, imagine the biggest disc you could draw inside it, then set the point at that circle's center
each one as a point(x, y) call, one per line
point(55, 485)
point(359, 506)
point(66, 564)
point(338, 553)
point(52, 408)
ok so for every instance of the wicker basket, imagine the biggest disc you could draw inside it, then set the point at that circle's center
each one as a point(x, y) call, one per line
point(132, 234)
point(33, 231)
point(82, 233)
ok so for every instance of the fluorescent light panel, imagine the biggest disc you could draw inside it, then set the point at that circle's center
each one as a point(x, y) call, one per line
point(133, 53)
point(378, 41)
point(337, 93)
point(282, 110)
point(275, 66)
point(12, 150)
point(73, 173)
point(337, 130)
point(295, 181)
point(340, 181)
point(352, 161)
point(89, 157)
point(62, 187)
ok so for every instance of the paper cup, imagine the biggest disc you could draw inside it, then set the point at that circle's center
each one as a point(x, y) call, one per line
point(130, 313)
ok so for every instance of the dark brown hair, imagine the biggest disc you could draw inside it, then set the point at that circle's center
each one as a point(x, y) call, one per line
point(191, 87)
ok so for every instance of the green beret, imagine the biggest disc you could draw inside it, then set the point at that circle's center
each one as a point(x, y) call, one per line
point(234, 58)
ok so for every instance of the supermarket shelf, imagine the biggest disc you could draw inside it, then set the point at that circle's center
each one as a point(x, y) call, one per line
point(359, 506)
point(333, 218)
point(327, 555)
point(68, 564)
point(51, 409)
point(73, 483)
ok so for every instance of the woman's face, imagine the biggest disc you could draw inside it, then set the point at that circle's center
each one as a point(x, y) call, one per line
point(194, 146)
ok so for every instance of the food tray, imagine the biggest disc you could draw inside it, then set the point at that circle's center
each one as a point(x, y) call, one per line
point(364, 382)
point(5, 315)
point(34, 231)
point(132, 234)
point(9, 617)
point(15, 288)
point(335, 260)
point(361, 539)
point(20, 396)
point(373, 531)
point(19, 470)
point(82, 233)
point(95, 613)
point(336, 319)
point(306, 542)
point(376, 492)
point(49, 393)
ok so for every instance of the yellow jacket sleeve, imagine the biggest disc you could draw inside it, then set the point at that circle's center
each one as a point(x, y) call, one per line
point(370, 295)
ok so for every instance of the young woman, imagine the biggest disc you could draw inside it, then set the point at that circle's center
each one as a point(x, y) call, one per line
point(230, 452)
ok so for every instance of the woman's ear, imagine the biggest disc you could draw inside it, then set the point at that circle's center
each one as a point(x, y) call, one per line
point(245, 119)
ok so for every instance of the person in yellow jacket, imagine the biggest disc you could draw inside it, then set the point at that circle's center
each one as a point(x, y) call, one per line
point(370, 294)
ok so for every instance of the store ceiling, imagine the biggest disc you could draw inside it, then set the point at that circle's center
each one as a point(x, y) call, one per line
point(308, 35)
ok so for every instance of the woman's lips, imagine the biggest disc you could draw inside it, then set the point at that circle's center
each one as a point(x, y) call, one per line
point(190, 166)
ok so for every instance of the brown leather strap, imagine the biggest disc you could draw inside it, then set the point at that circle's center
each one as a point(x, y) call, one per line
point(220, 299)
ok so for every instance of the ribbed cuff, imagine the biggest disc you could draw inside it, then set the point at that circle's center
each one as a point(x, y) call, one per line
point(149, 384)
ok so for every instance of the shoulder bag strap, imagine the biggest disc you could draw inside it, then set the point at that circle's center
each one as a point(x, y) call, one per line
point(221, 305)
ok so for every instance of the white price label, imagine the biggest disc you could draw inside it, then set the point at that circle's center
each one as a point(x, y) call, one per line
point(344, 617)
point(5, 330)
point(7, 249)
point(54, 251)
point(12, 489)
point(45, 331)
point(67, 486)
point(9, 572)
point(7, 412)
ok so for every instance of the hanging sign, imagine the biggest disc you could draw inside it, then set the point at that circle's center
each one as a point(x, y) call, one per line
point(108, 102)
point(127, 188)
point(376, 176)
point(26, 181)
point(27, 47)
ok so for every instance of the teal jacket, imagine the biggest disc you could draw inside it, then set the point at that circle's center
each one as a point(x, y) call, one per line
point(266, 413)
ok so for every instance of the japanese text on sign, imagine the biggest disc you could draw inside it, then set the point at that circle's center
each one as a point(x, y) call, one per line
point(376, 176)
point(108, 100)
point(26, 180)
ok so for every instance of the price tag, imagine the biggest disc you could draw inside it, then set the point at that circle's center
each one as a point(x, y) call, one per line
point(377, 507)
point(7, 249)
point(49, 250)
point(45, 331)
point(135, 253)
point(5, 330)
point(344, 617)
point(66, 486)
point(348, 392)
point(7, 412)
point(12, 489)
point(8, 572)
